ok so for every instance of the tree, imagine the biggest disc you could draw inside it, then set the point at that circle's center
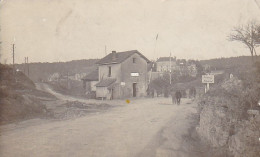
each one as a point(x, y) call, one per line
point(249, 35)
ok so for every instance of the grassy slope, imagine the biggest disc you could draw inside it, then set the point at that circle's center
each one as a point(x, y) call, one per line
point(19, 99)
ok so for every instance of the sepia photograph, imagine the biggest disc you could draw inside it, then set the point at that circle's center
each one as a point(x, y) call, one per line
point(129, 78)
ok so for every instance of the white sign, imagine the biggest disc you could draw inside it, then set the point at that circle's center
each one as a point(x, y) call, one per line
point(207, 78)
point(253, 112)
point(134, 74)
point(122, 83)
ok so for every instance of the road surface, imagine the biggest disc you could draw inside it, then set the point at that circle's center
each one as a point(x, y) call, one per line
point(144, 127)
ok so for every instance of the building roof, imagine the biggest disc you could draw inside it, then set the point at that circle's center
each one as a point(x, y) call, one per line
point(119, 57)
point(164, 59)
point(106, 82)
point(93, 76)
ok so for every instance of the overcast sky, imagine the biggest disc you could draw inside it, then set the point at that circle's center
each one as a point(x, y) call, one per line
point(64, 30)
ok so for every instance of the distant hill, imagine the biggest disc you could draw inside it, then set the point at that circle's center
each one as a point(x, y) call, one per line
point(41, 71)
point(232, 62)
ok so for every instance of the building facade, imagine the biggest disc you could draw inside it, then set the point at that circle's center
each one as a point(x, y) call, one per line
point(165, 64)
point(90, 81)
point(122, 75)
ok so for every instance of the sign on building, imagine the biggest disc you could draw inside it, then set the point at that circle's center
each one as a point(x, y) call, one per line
point(134, 74)
point(207, 78)
point(122, 83)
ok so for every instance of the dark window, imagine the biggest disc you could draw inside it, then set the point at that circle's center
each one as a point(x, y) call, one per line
point(134, 60)
point(109, 71)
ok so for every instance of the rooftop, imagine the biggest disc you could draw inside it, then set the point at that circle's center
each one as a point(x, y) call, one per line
point(93, 76)
point(163, 59)
point(106, 82)
point(119, 57)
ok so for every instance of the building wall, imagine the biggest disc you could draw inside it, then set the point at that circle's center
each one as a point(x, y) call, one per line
point(122, 73)
point(90, 85)
point(102, 92)
point(115, 71)
point(129, 67)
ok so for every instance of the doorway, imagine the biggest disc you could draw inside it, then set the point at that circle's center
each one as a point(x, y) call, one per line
point(134, 89)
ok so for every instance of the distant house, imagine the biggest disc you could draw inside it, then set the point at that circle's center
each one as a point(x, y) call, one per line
point(54, 77)
point(90, 81)
point(122, 75)
point(165, 64)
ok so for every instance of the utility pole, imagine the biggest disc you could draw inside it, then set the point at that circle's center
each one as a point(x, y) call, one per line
point(13, 61)
point(170, 68)
point(156, 38)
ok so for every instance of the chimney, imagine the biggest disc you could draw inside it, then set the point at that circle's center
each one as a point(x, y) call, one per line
point(114, 55)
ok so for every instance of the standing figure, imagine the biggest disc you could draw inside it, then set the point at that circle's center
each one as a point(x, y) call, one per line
point(178, 97)
point(174, 101)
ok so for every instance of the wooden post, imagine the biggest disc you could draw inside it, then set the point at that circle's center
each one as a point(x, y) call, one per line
point(170, 69)
point(13, 61)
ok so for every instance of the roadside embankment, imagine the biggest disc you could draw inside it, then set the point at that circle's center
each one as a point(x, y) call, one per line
point(19, 99)
point(225, 122)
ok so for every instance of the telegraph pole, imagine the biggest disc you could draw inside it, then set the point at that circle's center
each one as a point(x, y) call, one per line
point(13, 61)
point(156, 38)
point(170, 68)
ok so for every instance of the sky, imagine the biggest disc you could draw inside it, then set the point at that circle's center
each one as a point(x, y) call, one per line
point(64, 30)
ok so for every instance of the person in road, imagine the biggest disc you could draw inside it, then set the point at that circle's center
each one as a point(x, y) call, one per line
point(178, 97)
point(174, 101)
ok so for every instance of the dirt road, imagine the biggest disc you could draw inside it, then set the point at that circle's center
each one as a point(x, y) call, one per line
point(140, 128)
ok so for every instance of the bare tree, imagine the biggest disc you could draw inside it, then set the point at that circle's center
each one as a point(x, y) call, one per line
point(249, 35)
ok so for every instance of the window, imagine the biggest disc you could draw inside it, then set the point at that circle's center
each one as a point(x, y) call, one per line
point(109, 71)
point(134, 60)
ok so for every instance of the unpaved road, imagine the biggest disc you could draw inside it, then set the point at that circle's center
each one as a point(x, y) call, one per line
point(144, 127)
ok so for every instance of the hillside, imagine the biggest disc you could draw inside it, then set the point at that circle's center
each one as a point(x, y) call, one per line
point(232, 62)
point(19, 98)
point(41, 71)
